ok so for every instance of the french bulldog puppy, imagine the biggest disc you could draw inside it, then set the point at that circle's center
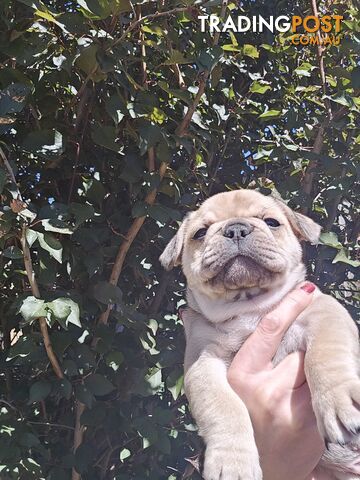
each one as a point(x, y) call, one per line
point(241, 254)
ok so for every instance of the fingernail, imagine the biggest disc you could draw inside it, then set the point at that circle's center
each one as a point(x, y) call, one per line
point(180, 311)
point(308, 287)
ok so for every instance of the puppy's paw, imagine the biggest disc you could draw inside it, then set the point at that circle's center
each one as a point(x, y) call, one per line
point(338, 412)
point(231, 462)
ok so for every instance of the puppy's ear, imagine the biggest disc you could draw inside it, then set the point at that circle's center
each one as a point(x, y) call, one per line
point(303, 227)
point(171, 256)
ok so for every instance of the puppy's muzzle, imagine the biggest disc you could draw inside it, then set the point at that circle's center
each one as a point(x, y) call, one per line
point(237, 230)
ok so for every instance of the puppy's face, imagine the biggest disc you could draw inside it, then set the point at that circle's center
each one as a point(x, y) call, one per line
point(239, 240)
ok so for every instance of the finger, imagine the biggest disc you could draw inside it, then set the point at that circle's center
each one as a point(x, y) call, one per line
point(259, 349)
point(289, 374)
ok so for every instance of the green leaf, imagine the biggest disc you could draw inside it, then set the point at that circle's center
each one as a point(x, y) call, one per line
point(251, 51)
point(178, 57)
point(231, 48)
point(45, 143)
point(51, 245)
point(330, 239)
point(259, 87)
point(12, 98)
point(270, 114)
point(106, 136)
point(114, 360)
point(13, 252)
point(32, 308)
point(87, 60)
point(29, 440)
point(66, 310)
point(3, 179)
point(54, 226)
point(31, 236)
point(82, 211)
point(355, 77)
point(304, 70)
point(174, 383)
point(124, 454)
point(64, 388)
point(342, 257)
point(39, 391)
point(107, 293)
point(177, 93)
point(95, 191)
point(98, 384)
point(209, 58)
point(153, 29)
point(115, 107)
point(84, 395)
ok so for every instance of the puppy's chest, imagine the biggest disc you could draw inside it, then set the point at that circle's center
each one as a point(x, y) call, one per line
point(232, 334)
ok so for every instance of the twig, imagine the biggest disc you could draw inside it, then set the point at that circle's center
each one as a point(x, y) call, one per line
point(78, 434)
point(9, 170)
point(55, 425)
point(36, 292)
point(219, 162)
point(143, 48)
point(77, 157)
point(160, 293)
point(222, 15)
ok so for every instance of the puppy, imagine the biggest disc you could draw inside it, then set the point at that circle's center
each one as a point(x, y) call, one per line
point(241, 254)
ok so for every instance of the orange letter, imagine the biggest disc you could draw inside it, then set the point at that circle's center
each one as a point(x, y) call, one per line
point(295, 22)
point(304, 40)
point(314, 40)
point(337, 19)
point(295, 40)
point(316, 26)
point(326, 21)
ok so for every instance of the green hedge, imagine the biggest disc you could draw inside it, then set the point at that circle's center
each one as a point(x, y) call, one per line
point(116, 118)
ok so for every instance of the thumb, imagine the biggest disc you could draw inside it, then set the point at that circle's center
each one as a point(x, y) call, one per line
point(259, 349)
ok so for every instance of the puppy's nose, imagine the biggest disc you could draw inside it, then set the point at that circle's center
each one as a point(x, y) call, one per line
point(238, 230)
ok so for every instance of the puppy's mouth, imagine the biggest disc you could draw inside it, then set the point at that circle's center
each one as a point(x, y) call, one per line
point(242, 271)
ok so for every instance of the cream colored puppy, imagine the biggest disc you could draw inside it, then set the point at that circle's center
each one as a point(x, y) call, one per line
point(241, 254)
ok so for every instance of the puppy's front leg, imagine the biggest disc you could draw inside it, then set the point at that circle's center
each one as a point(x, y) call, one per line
point(332, 370)
point(223, 422)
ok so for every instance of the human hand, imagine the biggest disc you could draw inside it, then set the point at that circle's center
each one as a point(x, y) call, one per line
point(278, 398)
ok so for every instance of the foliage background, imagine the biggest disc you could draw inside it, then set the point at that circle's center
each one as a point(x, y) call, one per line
point(116, 118)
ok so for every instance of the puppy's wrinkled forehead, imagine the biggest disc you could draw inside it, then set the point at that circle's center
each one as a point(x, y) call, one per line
point(238, 203)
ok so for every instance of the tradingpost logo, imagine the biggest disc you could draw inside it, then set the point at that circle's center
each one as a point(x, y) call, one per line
point(310, 30)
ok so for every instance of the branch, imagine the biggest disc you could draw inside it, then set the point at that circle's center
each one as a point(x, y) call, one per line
point(184, 125)
point(104, 317)
point(36, 292)
point(152, 16)
point(309, 176)
point(320, 55)
point(129, 238)
point(32, 280)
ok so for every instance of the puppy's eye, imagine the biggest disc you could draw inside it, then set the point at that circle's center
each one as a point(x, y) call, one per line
point(200, 233)
point(272, 222)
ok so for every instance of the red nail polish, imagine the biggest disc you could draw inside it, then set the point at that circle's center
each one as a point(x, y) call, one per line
point(308, 287)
